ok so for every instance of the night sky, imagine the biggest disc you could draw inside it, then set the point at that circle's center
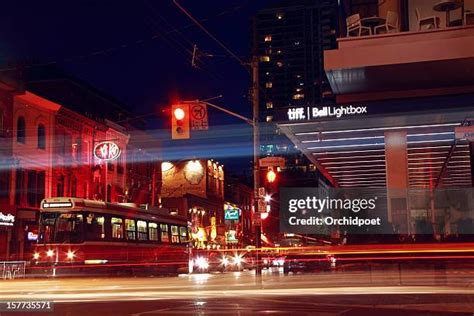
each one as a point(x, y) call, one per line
point(140, 53)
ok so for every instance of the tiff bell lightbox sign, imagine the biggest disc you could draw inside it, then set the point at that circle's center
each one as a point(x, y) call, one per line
point(313, 112)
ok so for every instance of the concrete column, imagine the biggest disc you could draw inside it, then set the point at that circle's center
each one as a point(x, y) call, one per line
point(396, 164)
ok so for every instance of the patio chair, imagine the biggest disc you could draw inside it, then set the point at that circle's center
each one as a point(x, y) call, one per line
point(354, 26)
point(430, 21)
point(391, 24)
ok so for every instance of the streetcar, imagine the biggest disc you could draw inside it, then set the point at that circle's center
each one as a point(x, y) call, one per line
point(79, 236)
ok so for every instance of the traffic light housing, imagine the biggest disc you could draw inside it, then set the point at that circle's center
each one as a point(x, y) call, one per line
point(180, 121)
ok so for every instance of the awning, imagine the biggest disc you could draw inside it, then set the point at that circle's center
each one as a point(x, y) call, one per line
point(351, 151)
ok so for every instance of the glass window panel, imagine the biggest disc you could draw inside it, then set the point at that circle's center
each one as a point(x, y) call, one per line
point(164, 233)
point(142, 233)
point(117, 228)
point(183, 236)
point(130, 228)
point(174, 234)
point(95, 227)
point(153, 231)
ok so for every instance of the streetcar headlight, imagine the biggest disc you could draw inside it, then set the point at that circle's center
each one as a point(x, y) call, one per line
point(238, 260)
point(70, 255)
point(50, 253)
point(225, 261)
point(36, 256)
point(202, 263)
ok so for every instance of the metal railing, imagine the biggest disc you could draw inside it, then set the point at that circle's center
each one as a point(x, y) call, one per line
point(12, 269)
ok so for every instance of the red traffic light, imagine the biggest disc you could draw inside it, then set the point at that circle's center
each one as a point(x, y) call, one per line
point(179, 113)
point(180, 121)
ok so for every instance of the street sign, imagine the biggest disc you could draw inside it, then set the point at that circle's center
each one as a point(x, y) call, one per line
point(199, 120)
point(272, 162)
point(464, 132)
point(262, 206)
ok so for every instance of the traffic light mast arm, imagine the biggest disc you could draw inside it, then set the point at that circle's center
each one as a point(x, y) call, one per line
point(246, 119)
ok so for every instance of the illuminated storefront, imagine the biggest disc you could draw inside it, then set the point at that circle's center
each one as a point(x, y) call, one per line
point(7, 222)
point(195, 188)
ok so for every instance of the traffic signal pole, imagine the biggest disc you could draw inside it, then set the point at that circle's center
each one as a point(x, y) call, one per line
point(256, 155)
point(256, 168)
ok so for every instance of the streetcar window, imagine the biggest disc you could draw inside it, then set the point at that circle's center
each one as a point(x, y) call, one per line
point(69, 228)
point(95, 227)
point(174, 234)
point(164, 233)
point(142, 234)
point(153, 231)
point(117, 227)
point(183, 235)
point(130, 228)
point(47, 222)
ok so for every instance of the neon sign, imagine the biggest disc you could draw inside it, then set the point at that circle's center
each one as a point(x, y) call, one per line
point(7, 219)
point(231, 212)
point(107, 151)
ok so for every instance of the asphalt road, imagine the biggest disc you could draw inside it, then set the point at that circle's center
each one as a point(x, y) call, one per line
point(374, 292)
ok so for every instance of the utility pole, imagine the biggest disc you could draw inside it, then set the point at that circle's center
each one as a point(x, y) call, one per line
point(256, 168)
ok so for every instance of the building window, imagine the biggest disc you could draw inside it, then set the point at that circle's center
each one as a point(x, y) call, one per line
point(130, 229)
point(40, 186)
point(269, 118)
point(269, 105)
point(268, 85)
point(265, 58)
point(164, 233)
point(60, 186)
point(174, 234)
point(2, 132)
point(77, 149)
point(109, 193)
point(298, 96)
point(4, 183)
point(153, 231)
point(21, 130)
point(120, 167)
point(41, 136)
point(142, 234)
point(268, 38)
point(32, 188)
point(19, 182)
point(74, 187)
